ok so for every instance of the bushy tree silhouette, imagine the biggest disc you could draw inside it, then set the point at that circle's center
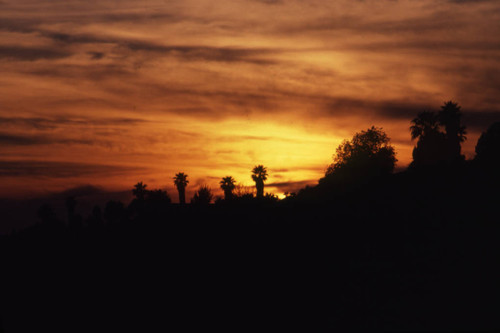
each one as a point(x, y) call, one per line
point(228, 184)
point(157, 196)
point(488, 147)
point(203, 196)
point(259, 176)
point(367, 154)
point(180, 181)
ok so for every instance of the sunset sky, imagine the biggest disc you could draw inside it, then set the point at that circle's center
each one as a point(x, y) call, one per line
point(113, 92)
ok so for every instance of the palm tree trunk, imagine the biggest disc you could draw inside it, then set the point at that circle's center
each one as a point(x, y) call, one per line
point(260, 189)
point(182, 195)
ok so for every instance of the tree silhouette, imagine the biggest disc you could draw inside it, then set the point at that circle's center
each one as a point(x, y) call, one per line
point(140, 191)
point(70, 207)
point(431, 144)
point(488, 147)
point(203, 196)
point(95, 219)
point(425, 124)
point(114, 212)
point(435, 146)
point(228, 184)
point(367, 154)
point(47, 215)
point(74, 220)
point(259, 176)
point(449, 117)
point(180, 181)
point(158, 197)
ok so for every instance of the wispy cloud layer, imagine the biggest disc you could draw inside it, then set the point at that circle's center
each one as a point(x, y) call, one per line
point(202, 86)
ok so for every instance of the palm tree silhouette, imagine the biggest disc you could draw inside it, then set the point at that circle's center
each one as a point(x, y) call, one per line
point(425, 124)
point(227, 184)
point(180, 181)
point(139, 191)
point(259, 176)
point(449, 117)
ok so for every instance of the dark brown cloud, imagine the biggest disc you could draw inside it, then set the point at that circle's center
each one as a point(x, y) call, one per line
point(58, 121)
point(31, 140)
point(58, 169)
point(25, 53)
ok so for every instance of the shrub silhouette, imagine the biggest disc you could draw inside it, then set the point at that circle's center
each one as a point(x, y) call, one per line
point(259, 176)
point(367, 154)
point(180, 181)
point(203, 196)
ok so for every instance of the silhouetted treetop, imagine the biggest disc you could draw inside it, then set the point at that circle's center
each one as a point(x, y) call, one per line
point(488, 146)
point(259, 176)
point(439, 136)
point(450, 118)
point(228, 184)
point(180, 181)
point(425, 124)
point(203, 196)
point(368, 152)
point(139, 191)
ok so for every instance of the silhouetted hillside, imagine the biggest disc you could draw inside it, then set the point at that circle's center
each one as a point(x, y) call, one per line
point(365, 249)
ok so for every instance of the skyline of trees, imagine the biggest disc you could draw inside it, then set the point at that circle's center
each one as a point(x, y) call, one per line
point(369, 154)
point(439, 135)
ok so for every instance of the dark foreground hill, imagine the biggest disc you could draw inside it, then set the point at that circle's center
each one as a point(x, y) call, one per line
point(408, 252)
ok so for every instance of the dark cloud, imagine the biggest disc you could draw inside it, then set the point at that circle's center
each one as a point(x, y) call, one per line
point(293, 186)
point(474, 119)
point(271, 2)
point(480, 120)
point(96, 55)
point(79, 191)
point(43, 169)
point(23, 53)
point(470, 1)
point(42, 123)
point(426, 45)
point(30, 140)
point(393, 109)
point(25, 24)
point(222, 54)
point(189, 52)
